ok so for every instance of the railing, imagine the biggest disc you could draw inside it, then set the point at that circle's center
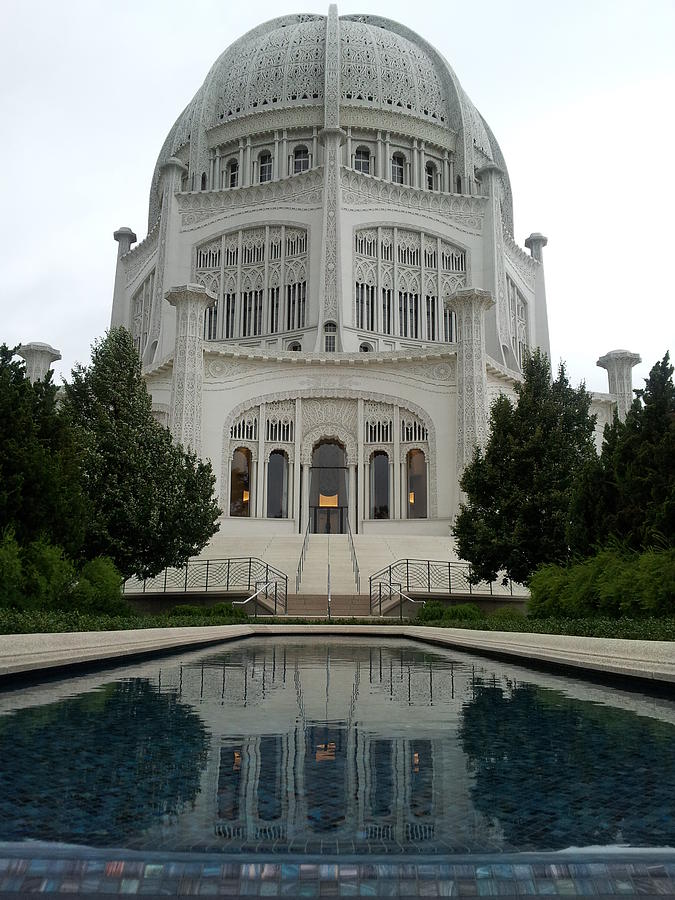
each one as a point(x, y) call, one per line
point(328, 594)
point(355, 562)
point(429, 576)
point(264, 588)
point(201, 576)
point(385, 591)
point(301, 561)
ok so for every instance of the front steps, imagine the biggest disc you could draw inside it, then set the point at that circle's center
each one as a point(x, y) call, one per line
point(341, 605)
point(325, 548)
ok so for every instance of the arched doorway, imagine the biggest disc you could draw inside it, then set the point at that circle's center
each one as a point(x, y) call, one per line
point(328, 496)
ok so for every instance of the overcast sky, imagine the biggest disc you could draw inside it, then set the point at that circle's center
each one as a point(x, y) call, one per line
point(580, 95)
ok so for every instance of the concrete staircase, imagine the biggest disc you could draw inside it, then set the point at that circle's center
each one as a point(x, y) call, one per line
point(325, 548)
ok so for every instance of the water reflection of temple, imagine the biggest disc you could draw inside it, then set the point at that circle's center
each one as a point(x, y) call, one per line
point(335, 748)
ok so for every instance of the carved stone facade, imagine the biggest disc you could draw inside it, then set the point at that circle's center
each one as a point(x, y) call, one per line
point(342, 216)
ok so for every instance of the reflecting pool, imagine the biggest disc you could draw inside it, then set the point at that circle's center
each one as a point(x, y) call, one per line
point(335, 746)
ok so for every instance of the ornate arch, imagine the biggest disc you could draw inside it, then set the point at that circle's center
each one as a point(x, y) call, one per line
point(342, 394)
point(328, 432)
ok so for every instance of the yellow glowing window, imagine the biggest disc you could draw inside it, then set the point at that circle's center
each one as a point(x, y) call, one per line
point(236, 761)
point(246, 496)
point(328, 500)
point(325, 751)
point(416, 762)
point(411, 498)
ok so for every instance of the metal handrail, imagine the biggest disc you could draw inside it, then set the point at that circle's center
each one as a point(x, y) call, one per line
point(328, 594)
point(431, 576)
point(355, 562)
point(395, 590)
point(301, 561)
point(231, 574)
point(258, 592)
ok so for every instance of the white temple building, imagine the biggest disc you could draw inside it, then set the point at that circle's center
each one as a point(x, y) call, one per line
point(330, 295)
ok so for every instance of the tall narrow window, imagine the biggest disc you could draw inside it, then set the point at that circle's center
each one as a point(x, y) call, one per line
point(233, 173)
point(362, 160)
point(265, 167)
point(365, 306)
point(296, 300)
point(274, 310)
point(230, 301)
point(430, 174)
point(203, 181)
point(386, 310)
point(330, 333)
point(449, 326)
point(431, 318)
point(211, 322)
point(458, 184)
point(277, 485)
point(240, 483)
point(416, 465)
point(379, 485)
point(300, 160)
point(252, 303)
point(397, 168)
point(408, 314)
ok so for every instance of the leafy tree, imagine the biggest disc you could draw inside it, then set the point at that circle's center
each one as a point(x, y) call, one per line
point(628, 493)
point(152, 501)
point(41, 493)
point(518, 490)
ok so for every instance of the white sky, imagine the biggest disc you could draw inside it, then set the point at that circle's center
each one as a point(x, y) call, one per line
point(580, 95)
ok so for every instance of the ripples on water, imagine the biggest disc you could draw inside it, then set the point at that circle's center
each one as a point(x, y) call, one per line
point(335, 747)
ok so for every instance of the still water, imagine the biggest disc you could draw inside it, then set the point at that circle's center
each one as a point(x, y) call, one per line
point(335, 746)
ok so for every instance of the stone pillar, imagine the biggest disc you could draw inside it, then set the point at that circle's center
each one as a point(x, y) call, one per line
point(39, 359)
point(125, 238)
point(351, 488)
point(470, 305)
point(619, 365)
point(536, 243)
point(296, 457)
point(305, 497)
point(191, 302)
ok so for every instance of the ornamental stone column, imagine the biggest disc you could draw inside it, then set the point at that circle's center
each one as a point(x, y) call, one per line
point(619, 365)
point(39, 359)
point(191, 302)
point(470, 306)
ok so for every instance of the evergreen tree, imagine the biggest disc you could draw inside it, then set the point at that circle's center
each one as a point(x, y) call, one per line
point(152, 501)
point(518, 490)
point(41, 494)
point(628, 494)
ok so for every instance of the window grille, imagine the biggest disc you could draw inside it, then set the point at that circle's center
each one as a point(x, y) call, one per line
point(365, 306)
point(408, 313)
point(379, 431)
point(208, 257)
point(449, 326)
point(296, 297)
point(431, 318)
point(211, 322)
point(279, 430)
point(245, 429)
point(274, 310)
point(413, 431)
point(252, 303)
point(386, 310)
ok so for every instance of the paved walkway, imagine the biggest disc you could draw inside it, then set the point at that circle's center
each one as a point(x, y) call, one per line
point(38, 653)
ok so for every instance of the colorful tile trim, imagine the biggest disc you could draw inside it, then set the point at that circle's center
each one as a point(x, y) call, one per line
point(106, 875)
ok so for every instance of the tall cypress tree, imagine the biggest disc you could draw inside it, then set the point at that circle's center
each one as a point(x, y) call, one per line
point(518, 490)
point(152, 500)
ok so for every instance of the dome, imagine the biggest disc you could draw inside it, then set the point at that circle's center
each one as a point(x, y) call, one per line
point(281, 65)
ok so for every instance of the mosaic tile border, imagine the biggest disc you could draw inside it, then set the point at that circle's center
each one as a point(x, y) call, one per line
point(112, 873)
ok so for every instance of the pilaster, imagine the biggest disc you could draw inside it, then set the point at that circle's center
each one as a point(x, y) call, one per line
point(535, 243)
point(190, 302)
point(619, 365)
point(125, 237)
point(470, 306)
point(498, 334)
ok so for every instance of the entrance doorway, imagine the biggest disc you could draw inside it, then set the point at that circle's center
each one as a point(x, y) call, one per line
point(328, 495)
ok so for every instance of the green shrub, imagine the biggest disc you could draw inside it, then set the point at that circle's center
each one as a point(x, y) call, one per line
point(99, 588)
point(507, 613)
point(462, 612)
point(47, 576)
point(614, 582)
point(217, 611)
point(10, 571)
point(432, 611)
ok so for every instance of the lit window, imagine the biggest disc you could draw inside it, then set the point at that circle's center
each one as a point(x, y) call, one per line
point(362, 160)
point(300, 160)
point(265, 167)
point(330, 331)
point(397, 168)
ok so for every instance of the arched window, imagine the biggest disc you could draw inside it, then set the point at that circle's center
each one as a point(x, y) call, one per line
point(240, 483)
point(362, 160)
point(295, 346)
point(416, 466)
point(233, 173)
point(379, 485)
point(329, 331)
point(300, 159)
point(265, 167)
point(397, 168)
point(430, 174)
point(458, 184)
point(277, 485)
point(203, 181)
point(365, 348)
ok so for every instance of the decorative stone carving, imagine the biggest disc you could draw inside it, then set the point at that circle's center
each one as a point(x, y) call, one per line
point(190, 301)
point(39, 358)
point(619, 365)
point(470, 306)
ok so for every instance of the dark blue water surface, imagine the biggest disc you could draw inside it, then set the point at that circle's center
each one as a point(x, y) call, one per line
point(335, 746)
